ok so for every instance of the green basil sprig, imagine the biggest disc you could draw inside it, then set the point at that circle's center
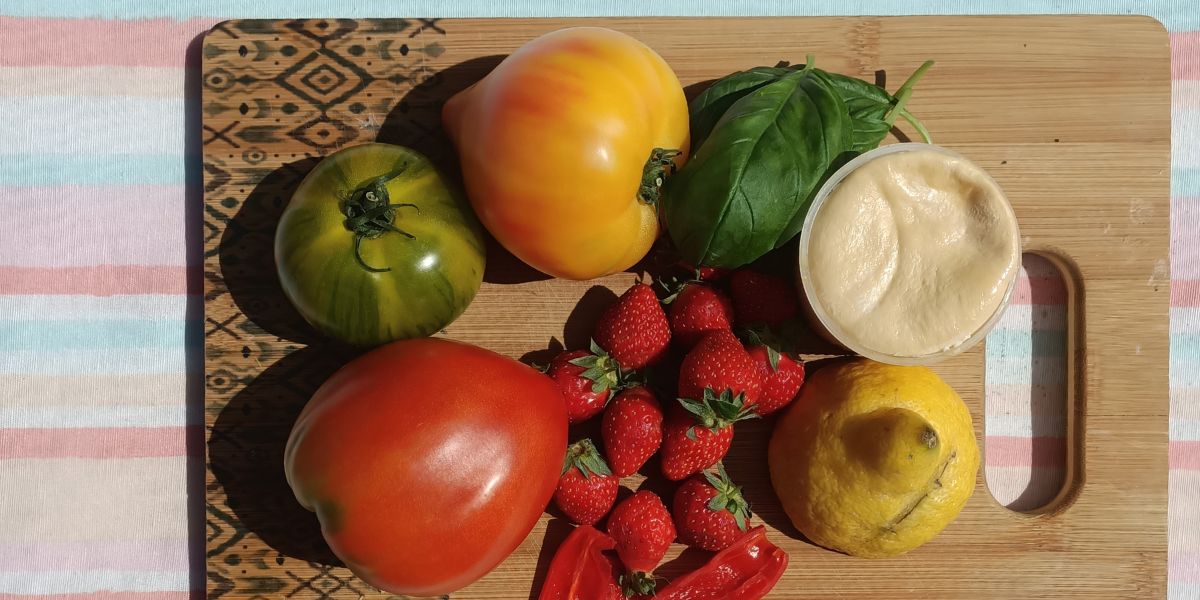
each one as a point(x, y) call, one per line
point(763, 141)
point(873, 110)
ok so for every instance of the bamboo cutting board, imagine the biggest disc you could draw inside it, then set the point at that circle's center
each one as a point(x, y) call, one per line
point(1070, 114)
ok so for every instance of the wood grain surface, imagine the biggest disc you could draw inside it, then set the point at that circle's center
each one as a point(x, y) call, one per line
point(1070, 114)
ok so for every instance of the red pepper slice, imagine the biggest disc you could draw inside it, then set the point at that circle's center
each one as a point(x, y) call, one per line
point(580, 570)
point(746, 570)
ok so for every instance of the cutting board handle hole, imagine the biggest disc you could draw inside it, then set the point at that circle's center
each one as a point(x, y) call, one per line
point(1029, 403)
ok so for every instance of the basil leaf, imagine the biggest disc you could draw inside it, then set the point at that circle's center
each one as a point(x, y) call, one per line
point(872, 109)
point(753, 176)
point(868, 105)
point(708, 108)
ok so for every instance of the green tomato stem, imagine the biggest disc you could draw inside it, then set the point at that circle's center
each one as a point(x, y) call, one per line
point(369, 214)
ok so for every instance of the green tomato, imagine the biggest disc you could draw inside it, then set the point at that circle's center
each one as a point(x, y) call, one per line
point(376, 246)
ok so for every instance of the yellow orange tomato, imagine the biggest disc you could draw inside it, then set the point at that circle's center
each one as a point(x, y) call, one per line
point(564, 146)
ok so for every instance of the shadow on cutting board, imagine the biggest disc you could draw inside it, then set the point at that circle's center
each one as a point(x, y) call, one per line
point(247, 255)
point(246, 447)
point(416, 122)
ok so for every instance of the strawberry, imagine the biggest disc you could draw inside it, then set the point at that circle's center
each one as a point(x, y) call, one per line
point(586, 488)
point(759, 298)
point(704, 273)
point(698, 433)
point(696, 310)
point(585, 380)
point(712, 273)
point(710, 512)
point(782, 377)
point(634, 331)
point(631, 430)
point(718, 362)
point(643, 531)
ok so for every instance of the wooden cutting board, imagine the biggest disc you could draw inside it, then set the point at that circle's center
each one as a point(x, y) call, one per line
point(1070, 114)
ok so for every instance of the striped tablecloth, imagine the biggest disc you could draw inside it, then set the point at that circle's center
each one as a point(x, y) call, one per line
point(99, 315)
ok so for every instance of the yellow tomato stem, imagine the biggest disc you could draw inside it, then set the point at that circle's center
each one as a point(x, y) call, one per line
point(655, 173)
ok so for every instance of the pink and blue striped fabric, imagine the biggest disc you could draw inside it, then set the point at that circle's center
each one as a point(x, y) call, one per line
point(99, 312)
point(1025, 445)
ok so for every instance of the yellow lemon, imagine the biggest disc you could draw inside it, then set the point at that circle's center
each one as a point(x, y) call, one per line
point(873, 459)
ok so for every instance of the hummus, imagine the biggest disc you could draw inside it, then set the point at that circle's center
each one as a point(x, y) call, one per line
point(911, 254)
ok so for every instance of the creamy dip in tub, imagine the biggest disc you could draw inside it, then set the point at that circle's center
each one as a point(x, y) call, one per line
point(908, 254)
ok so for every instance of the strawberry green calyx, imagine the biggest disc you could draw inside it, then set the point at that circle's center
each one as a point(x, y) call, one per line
point(601, 369)
point(671, 287)
point(584, 456)
point(717, 411)
point(636, 583)
point(761, 335)
point(729, 496)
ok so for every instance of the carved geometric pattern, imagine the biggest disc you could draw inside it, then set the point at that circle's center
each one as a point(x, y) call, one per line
point(277, 95)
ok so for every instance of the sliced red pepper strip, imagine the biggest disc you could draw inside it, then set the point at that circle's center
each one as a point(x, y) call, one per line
point(746, 570)
point(580, 570)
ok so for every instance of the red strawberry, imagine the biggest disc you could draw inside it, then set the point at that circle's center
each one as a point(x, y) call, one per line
point(712, 273)
point(632, 430)
point(586, 489)
point(706, 273)
point(585, 380)
point(643, 531)
point(719, 362)
point(710, 512)
point(634, 331)
point(696, 310)
point(697, 434)
point(759, 298)
point(782, 378)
